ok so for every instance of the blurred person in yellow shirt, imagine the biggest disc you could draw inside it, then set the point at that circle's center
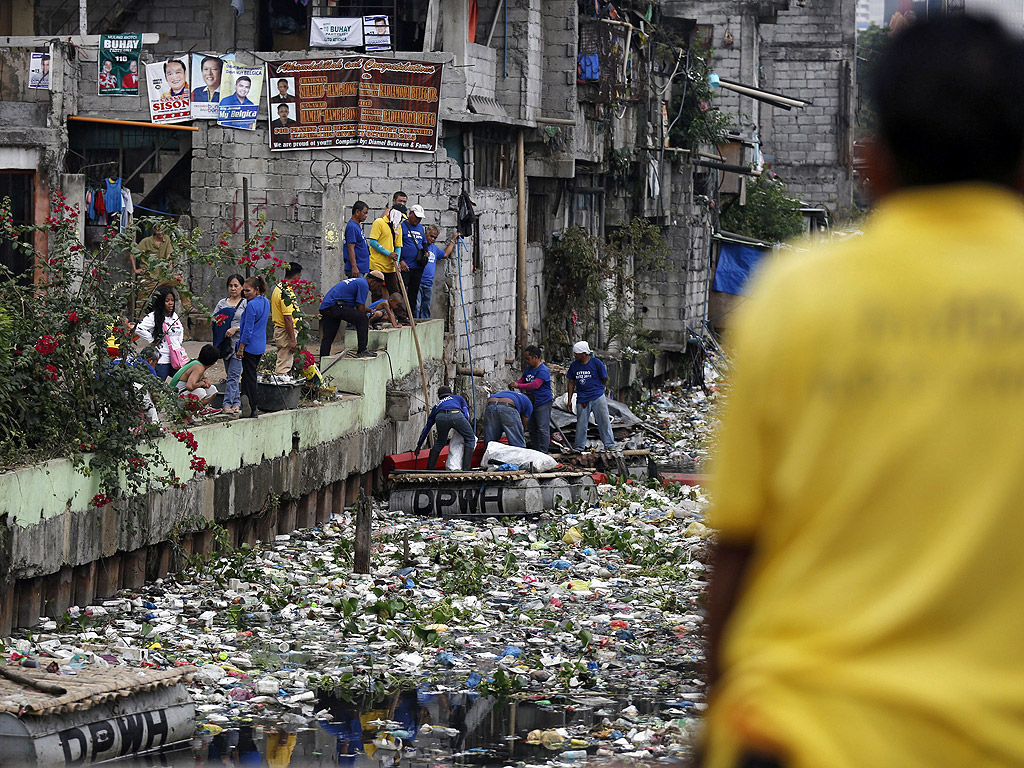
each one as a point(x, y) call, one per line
point(865, 608)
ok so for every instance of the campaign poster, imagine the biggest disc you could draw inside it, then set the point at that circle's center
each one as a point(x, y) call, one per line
point(119, 65)
point(377, 33)
point(39, 70)
point(207, 73)
point(355, 101)
point(336, 33)
point(169, 94)
point(240, 90)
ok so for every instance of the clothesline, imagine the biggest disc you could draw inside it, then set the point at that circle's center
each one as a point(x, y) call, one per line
point(162, 213)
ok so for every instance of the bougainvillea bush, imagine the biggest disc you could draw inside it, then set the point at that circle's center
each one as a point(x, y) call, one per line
point(71, 384)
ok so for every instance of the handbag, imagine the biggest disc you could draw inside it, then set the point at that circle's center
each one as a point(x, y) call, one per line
point(422, 257)
point(178, 356)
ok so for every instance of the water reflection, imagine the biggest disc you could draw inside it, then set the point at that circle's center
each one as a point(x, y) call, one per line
point(411, 729)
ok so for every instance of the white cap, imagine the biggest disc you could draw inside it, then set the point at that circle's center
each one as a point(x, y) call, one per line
point(581, 348)
point(418, 210)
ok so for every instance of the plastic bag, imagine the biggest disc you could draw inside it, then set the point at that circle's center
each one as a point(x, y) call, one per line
point(456, 448)
point(499, 453)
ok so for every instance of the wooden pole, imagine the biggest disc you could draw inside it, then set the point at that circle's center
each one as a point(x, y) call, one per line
point(245, 218)
point(364, 526)
point(415, 338)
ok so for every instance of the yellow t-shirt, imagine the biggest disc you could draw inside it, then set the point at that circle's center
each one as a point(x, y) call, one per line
point(381, 232)
point(872, 451)
point(281, 305)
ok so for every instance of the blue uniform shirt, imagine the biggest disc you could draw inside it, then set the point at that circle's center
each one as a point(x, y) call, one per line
point(413, 238)
point(543, 394)
point(523, 403)
point(434, 254)
point(588, 379)
point(348, 293)
point(449, 403)
point(354, 235)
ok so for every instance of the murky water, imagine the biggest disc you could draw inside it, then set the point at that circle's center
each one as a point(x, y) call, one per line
point(408, 730)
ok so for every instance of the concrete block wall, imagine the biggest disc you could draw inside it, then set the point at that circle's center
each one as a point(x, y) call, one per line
point(670, 300)
point(809, 54)
point(733, 62)
point(490, 291)
point(560, 45)
point(481, 69)
point(800, 55)
point(183, 25)
point(518, 89)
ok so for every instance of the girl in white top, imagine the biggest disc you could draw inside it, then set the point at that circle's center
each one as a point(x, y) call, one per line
point(161, 328)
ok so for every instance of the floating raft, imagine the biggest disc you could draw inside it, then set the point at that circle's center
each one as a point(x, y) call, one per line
point(104, 713)
point(478, 494)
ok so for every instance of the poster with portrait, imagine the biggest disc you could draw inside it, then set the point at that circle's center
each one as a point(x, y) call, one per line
point(39, 70)
point(354, 101)
point(168, 90)
point(118, 64)
point(240, 90)
point(336, 33)
point(207, 73)
point(377, 33)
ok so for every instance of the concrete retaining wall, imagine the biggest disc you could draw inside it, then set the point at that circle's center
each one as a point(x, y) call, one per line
point(283, 471)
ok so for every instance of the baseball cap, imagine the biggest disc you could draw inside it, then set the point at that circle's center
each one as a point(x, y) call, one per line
point(580, 348)
point(377, 274)
point(418, 210)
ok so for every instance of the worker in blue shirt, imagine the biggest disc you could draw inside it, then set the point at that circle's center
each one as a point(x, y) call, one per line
point(450, 413)
point(587, 377)
point(346, 303)
point(536, 381)
point(507, 412)
point(357, 252)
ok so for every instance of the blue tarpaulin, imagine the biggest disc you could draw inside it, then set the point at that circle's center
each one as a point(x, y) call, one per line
point(735, 263)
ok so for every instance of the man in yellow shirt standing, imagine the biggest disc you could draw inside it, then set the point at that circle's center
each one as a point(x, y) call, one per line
point(866, 608)
point(385, 241)
point(282, 311)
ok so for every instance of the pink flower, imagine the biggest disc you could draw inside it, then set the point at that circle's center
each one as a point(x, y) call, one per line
point(73, 317)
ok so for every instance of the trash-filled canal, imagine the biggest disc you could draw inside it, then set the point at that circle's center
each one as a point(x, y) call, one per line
point(573, 634)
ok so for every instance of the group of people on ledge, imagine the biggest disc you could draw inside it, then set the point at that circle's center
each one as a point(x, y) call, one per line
point(525, 407)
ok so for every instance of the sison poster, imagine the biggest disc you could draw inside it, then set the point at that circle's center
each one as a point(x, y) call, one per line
point(169, 95)
point(336, 33)
point(207, 72)
point(377, 33)
point(39, 70)
point(240, 90)
point(119, 65)
point(355, 101)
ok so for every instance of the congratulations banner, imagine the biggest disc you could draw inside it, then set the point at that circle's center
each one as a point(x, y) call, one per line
point(356, 101)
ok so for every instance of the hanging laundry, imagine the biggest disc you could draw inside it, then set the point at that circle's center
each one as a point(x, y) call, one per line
point(127, 209)
point(101, 208)
point(112, 195)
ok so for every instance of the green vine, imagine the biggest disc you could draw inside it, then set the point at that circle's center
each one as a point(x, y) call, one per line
point(769, 214)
